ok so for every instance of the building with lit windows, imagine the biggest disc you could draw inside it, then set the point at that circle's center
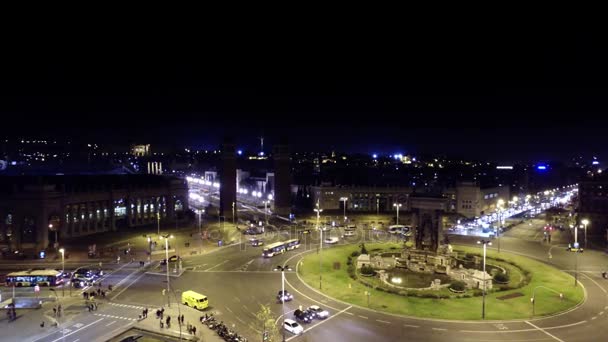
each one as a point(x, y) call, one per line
point(33, 207)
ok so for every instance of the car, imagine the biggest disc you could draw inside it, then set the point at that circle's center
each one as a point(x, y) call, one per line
point(318, 312)
point(326, 228)
point(303, 316)
point(572, 249)
point(331, 240)
point(292, 326)
point(349, 233)
point(284, 297)
point(305, 231)
point(256, 242)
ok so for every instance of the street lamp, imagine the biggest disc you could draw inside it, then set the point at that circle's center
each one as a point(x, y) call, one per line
point(585, 222)
point(167, 237)
point(319, 211)
point(266, 211)
point(344, 199)
point(62, 251)
point(483, 301)
point(233, 215)
point(397, 206)
point(283, 269)
point(158, 222)
point(499, 205)
point(149, 249)
point(51, 228)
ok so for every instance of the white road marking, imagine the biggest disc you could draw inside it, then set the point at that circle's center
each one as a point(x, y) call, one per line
point(107, 325)
point(221, 263)
point(521, 330)
point(76, 340)
point(411, 326)
point(126, 287)
point(381, 321)
point(227, 308)
point(546, 332)
point(316, 325)
point(439, 329)
point(594, 317)
point(362, 316)
point(601, 313)
point(88, 325)
point(596, 283)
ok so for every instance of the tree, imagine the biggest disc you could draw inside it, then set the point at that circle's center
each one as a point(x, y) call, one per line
point(266, 319)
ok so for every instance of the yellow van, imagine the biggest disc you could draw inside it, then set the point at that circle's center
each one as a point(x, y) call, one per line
point(195, 300)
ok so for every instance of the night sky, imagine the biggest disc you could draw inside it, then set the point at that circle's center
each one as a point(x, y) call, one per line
point(505, 100)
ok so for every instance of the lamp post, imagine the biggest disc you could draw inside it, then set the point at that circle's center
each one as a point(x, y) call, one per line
point(266, 212)
point(344, 199)
point(483, 301)
point(319, 211)
point(62, 251)
point(149, 249)
point(397, 206)
point(283, 269)
point(499, 214)
point(51, 228)
point(158, 222)
point(377, 206)
point(533, 299)
point(167, 237)
point(585, 222)
point(233, 215)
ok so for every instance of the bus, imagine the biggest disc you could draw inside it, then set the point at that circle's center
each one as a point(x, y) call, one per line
point(46, 277)
point(280, 247)
point(400, 229)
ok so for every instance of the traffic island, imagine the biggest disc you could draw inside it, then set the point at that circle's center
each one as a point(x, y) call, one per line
point(528, 275)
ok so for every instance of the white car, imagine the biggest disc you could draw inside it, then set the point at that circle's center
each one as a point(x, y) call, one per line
point(293, 326)
point(319, 313)
point(332, 240)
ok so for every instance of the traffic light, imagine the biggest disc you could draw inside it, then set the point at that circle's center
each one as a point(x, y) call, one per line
point(265, 337)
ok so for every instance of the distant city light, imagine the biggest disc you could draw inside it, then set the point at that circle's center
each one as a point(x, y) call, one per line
point(504, 167)
point(595, 162)
point(262, 153)
point(239, 152)
point(374, 156)
point(541, 167)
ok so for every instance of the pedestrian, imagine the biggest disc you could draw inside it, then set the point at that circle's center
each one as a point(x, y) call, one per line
point(168, 321)
point(143, 313)
point(157, 313)
point(182, 319)
point(161, 323)
point(42, 324)
point(193, 330)
point(146, 312)
point(89, 308)
point(55, 312)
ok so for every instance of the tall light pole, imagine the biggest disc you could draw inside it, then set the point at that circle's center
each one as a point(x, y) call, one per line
point(344, 199)
point(483, 301)
point(158, 222)
point(62, 251)
point(283, 269)
point(149, 249)
point(585, 222)
point(377, 206)
point(319, 211)
point(167, 237)
point(51, 228)
point(499, 215)
point(233, 215)
point(397, 206)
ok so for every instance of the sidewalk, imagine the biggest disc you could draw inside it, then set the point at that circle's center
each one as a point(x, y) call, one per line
point(191, 316)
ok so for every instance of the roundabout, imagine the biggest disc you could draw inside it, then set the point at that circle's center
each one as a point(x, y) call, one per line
point(552, 289)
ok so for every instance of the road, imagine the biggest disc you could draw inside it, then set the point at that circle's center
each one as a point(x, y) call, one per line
point(238, 280)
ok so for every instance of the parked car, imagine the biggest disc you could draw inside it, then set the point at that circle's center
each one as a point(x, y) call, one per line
point(349, 233)
point(293, 327)
point(318, 312)
point(303, 316)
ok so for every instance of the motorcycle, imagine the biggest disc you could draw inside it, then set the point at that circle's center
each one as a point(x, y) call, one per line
point(605, 274)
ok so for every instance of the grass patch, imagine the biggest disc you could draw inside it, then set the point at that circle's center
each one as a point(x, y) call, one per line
point(337, 284)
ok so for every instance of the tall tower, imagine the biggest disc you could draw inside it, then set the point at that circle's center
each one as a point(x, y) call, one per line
point(282, 179)
point(228, 180)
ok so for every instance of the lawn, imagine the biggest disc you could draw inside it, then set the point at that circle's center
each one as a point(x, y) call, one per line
point(337, 284)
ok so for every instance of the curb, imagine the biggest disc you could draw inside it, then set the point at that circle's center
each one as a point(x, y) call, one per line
point(435, 319)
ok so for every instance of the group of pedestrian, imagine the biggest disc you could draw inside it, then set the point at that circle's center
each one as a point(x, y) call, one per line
point(180, 319)
point(191, 329)
point(144, 314)
point(159, 313)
